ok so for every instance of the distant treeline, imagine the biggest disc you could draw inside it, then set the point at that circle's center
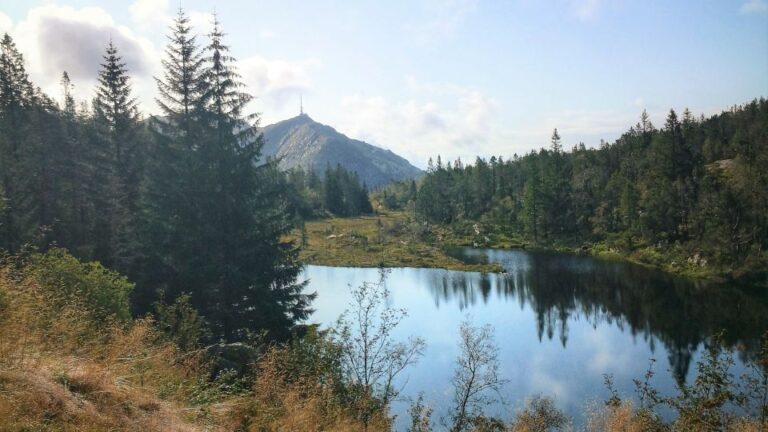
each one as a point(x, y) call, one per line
point(697, 183)
point(176, 202)
point(338, 192)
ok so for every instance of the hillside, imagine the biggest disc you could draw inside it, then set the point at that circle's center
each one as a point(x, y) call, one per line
point(303, 142)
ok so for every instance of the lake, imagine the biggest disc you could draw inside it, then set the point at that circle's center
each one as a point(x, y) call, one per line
point(561, 323)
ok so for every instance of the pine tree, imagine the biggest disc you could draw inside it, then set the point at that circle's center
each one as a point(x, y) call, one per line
point(256, 285)
point(116, 118)
point(218, 219)
point(532, 211)
point(67, 89)
point(556, 146)
point(333, 197)
point(364, 203)
point(16, 99)
point(115, 107)
point(183, 86)
point(169, 206)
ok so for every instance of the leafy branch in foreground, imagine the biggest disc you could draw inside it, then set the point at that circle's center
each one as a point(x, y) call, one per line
point(476, 380)
point(716, 400)
point(371, 357)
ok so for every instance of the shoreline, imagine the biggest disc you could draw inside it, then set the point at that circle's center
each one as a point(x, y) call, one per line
point(391, 239)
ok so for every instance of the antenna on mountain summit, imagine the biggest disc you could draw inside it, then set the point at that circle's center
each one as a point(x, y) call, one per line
point(301, 104)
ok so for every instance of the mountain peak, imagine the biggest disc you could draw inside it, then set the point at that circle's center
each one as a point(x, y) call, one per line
point(299, 119)
point(302, 142)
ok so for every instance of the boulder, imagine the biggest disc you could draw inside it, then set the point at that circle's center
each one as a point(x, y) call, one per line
point(238, 357)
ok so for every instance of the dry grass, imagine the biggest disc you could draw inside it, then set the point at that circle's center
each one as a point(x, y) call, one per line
point(622, 417)
point(60, 370)
point(625, 417)
point(308, 402)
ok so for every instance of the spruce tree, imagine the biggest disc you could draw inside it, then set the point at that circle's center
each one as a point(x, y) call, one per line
point(254, 271)
point(532, 211)
point(169, 206)
point(214, 220)
point(116, 118)
point(182, 87)
point(67, 89)
point(16, 98)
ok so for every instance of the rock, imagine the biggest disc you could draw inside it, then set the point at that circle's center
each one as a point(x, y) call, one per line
point(234, 356)
point(303, 142)
point(697, 260)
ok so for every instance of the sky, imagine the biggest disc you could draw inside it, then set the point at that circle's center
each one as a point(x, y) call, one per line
point(459, 78)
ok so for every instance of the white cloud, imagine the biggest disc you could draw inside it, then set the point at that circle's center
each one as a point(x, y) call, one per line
point(544, 383)
point(455, 121)
point(585, 10)
point(201, 22)
point(445, 17)
point(276, 83)
point(421, 127)
point(267, 34)
point(155, 16)
point(6, 24)
point(754, 6)
point(605, 353)
point(147, 14)
point(56, 38)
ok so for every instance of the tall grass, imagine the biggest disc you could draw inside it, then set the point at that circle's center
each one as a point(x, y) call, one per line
point(67, 365)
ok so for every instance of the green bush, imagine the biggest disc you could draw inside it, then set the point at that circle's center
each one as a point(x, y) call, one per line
point(181, 322)
point(102, 292)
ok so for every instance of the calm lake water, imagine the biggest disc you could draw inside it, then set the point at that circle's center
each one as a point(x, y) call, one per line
point(562, 322)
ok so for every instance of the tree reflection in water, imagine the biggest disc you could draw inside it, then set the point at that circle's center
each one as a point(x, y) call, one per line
point(678, 312)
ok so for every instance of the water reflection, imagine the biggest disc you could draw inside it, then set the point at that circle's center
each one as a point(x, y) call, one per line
point(678, 312)
point(561, 321)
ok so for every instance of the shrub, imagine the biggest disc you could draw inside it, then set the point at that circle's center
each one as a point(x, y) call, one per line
point(102, 292)
point(540, 415)
point(181, 322)
point(301, 387)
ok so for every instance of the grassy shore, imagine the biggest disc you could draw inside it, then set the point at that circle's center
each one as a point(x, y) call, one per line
point(386, 240)
point(396, 239)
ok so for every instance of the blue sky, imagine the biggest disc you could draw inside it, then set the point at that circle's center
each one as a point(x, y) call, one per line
point(455, 77)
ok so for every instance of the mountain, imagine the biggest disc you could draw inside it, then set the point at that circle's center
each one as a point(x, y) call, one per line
point(303, 142)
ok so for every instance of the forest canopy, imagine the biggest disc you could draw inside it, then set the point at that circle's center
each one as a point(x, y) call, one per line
point(181, 202)
point(697, 183)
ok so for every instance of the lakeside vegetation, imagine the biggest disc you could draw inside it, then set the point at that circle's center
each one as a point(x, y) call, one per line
point(181, 203)
point(387, 239)
point(149, 267)
point(689, 197)
point(396, 238)
point(71, 360)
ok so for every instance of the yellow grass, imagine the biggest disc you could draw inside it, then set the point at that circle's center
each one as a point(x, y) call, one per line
point(61, 371)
